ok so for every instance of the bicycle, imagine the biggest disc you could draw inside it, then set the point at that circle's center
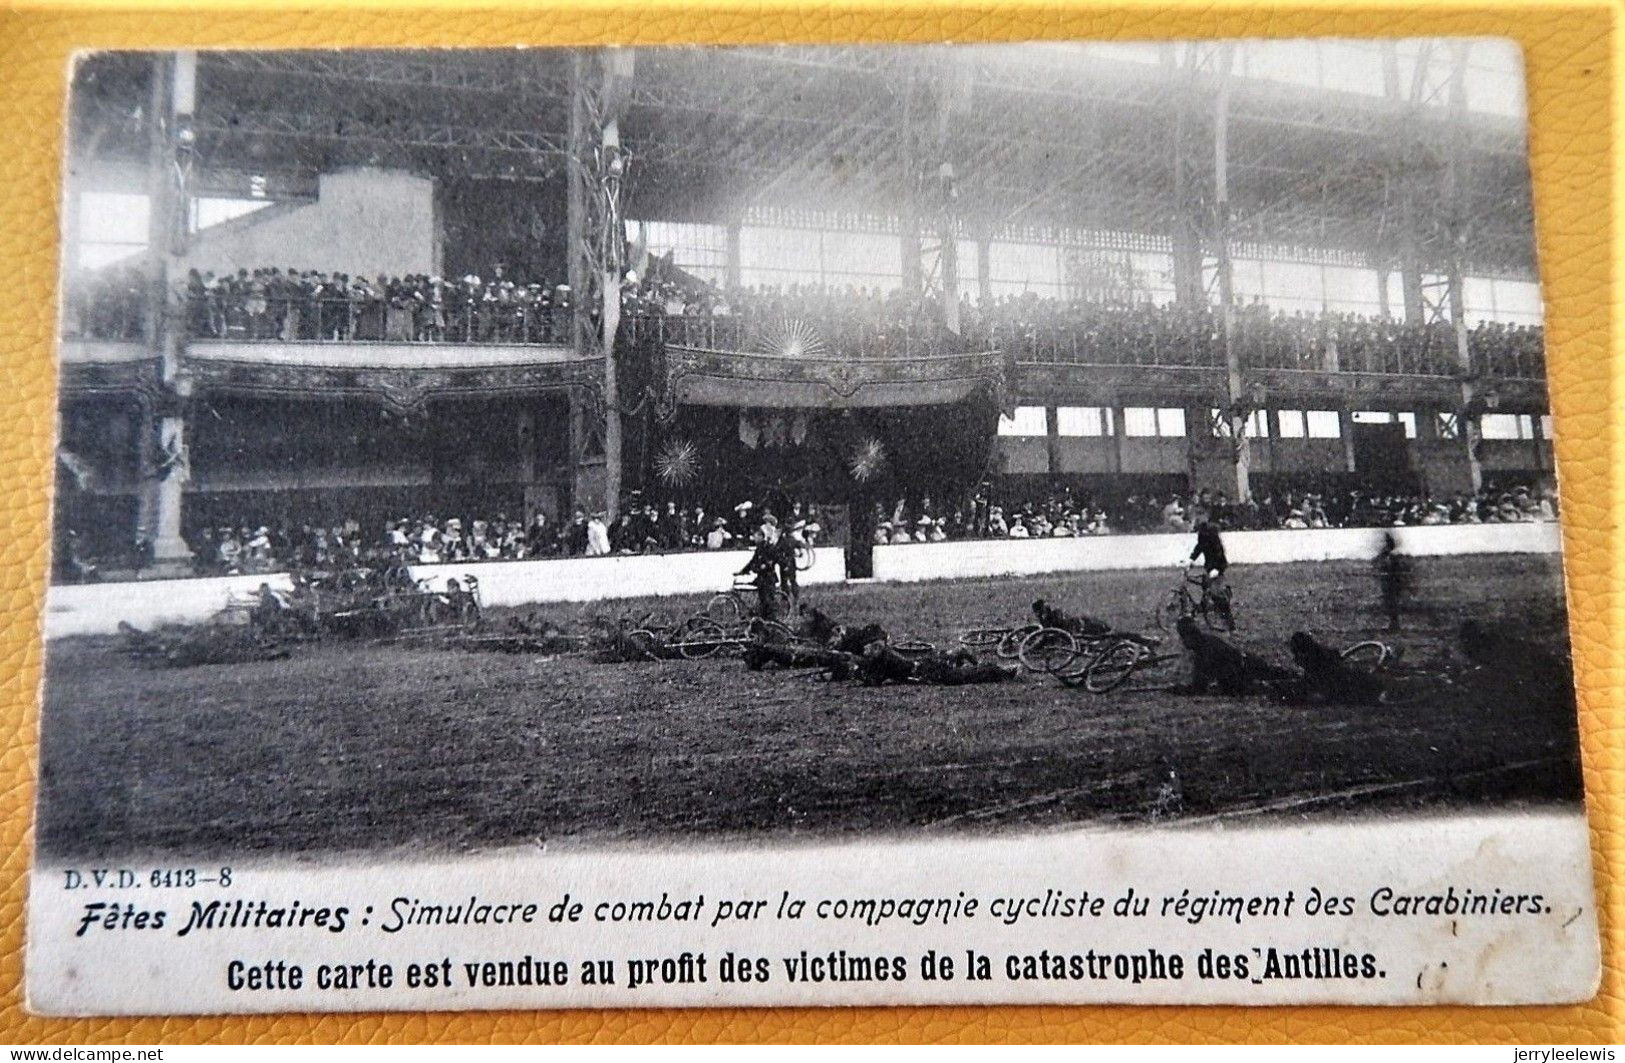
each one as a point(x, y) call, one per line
point(1400, 687)
point(702, 636)
point(1003, 641)
point(1118, 660)
point(806, 547)
point(1216, 610)
point(743, 600)
point(1054, 650)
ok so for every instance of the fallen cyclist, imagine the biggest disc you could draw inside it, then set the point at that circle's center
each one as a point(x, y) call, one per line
point(1085, 626)
point(1327, 678)
point(818, 626)
point(759, 653)
point(881, 664)
point(1216, 663)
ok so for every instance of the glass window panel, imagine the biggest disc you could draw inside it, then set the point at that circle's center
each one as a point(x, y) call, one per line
point(1025, 267)
point(862, 254)
point(1028, 421)
point(1498, 426)
point(1515, 300)
point(113, 218)
point(95, 256)
point(1247, 279)
point(1080, 421)
point(1396, 295)
point(1290, 424)
point(1139, 421)
point(794, 253)
point(1355, 290)
point(1291, 281)
point(1153, 274)
point(1409, 421)
point(1170, 421)
point(1324, 424)
point(210, 211)
point(1478, 293)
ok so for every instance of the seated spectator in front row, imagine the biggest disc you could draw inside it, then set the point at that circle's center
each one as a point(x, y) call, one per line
point(719, 536)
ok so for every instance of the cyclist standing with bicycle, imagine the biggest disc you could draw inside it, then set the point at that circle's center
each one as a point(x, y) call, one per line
point(767, 562)
point(1210, 549)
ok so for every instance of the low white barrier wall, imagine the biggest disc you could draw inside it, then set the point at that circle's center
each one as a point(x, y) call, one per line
point(590, 579)
point(1005, 557)
point(97, 608)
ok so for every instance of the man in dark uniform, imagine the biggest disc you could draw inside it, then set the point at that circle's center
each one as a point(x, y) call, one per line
point(1210, 549)
point(764, 565)
point(785, 559)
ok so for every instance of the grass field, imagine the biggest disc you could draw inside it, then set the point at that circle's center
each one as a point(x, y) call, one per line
point(401, 748)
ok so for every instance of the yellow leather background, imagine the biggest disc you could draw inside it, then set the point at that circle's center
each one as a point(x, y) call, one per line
point(1571, 53)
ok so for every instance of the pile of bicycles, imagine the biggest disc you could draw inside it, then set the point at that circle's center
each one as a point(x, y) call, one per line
point(1099, 662)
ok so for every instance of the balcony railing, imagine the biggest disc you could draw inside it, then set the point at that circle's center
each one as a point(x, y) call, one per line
point(795, 337)
point(1413, 352)
point(340, 320)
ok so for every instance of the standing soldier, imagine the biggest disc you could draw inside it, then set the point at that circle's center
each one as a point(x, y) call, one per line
point(1393, 577)
point(764, 564)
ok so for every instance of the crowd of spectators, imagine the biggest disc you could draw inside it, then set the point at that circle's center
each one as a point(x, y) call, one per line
point(883, 323)
point(1065, 514)
point(109, 304)
point(647, 527)
point(313, 305)
point(642, 527)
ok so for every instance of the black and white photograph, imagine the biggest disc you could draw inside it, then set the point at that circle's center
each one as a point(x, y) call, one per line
point(1035, 503)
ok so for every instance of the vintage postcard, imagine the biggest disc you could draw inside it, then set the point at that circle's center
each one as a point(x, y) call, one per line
point(1047, 522)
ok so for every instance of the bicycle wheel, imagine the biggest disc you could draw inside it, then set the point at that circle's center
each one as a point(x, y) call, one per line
point(1169, 611)
point(1010, 644)
point(1048, 650)
point(1370, 656)
point(724, 608)
point(1112, 666)
point(1072, 672)
point(983, 638)
point(768, 631)
point(805, 556)
point(642, 645)
point(699, 637)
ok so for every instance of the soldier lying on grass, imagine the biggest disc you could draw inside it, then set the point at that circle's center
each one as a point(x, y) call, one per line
point(880, 664)
point(1216, 663)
